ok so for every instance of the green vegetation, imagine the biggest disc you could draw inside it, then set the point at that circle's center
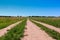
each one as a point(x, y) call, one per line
point(15, 33)
point(6, 21)
point(52, 33)
point(52, 21)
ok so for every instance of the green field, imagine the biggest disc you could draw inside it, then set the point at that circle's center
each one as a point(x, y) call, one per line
point(52, 21)
point(6, 21)
point(15, 33)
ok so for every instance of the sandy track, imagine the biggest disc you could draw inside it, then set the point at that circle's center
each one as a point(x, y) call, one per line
point(33, 32)
point(5, 30)
point(49, 26)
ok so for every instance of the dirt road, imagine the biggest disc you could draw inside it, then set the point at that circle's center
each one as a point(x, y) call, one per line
point(33, 32)
point(49, 26)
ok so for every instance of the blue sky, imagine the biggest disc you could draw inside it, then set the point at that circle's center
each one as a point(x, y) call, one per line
point(30, 7)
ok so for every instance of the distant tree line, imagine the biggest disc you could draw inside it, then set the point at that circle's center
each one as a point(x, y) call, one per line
point(5, 16)
point(45, 16)
point(10, 16)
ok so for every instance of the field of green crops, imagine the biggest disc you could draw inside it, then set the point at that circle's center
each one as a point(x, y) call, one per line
point(15, 33)
point(52, 21)
point(6, 21)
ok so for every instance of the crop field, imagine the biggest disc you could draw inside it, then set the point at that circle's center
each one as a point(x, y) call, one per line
point(15, 33)
point(29, 28)
point(6, 21)
point(52, 21)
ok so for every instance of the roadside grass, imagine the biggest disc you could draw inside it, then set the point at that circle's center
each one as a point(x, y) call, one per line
point(52, 33)
point(15, 33)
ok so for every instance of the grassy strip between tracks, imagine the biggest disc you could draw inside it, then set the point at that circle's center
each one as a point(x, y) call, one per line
point(52, 33)
point(15, 33)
